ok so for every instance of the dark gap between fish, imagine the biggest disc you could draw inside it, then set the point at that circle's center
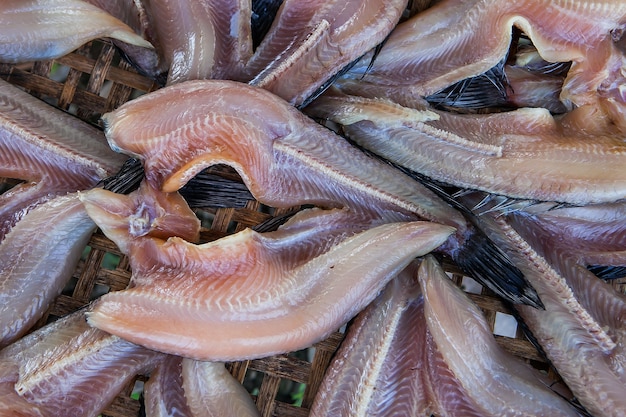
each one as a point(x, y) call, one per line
point(608, 272)
point(263, 15)
point(7, 183)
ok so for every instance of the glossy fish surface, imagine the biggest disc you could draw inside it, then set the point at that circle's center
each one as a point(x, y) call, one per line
point(525, 154)
point(498, 383)
point(579, 329)
point(54, 28)
point(389, 365)
point(253, 295)
point(50, 151)
point(145, 212)
point(211, 390)
point(62, 364)
point(37, 258)
point(264, 139)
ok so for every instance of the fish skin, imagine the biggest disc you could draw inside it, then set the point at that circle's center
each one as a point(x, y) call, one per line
point(163, 392)
point(37, 258)
point(211, 39)
point(298, 55)
point(279, 279)
point(546, 161)
point(587, 354)
point(144, 212)
point(212, 391)
point(53, 152)
point(498, 383)
point(55, 28)
point(62, 364)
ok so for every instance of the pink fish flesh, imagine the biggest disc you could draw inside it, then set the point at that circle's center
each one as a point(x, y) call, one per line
point(252, 295)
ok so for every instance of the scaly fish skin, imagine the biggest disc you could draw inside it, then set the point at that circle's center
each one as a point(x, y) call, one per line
point(32, 30)
point(251, 295)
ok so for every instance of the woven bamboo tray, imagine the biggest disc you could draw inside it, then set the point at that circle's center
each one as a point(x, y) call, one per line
point(94, 80)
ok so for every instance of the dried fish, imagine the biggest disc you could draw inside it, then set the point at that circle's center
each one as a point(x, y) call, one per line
point(286, 159)
point(497, 383)
point(53, 152)
point(32, 30)
point(579, 330)
point(62, 365)
point(525, 154)
point(251, 295)
point(37, 258)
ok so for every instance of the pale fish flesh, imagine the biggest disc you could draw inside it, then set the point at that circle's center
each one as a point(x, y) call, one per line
point(212, 391)
point(285, 159)
point(37, 258)
point(144, 212)
point(32, 30)
point(252, 295)
point(580, 347)
point(388, 363)
point(53, 152)
point(311, 41)
point(201, 39)
point(457, 39)
point(498, 383)
point(525, 154)
point(68, 368)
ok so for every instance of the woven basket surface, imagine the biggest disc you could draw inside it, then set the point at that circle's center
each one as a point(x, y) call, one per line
point(94, 80)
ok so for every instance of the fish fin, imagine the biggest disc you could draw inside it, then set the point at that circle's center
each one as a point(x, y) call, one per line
point(127, 179)
point(489, 89)
point(210, 190)
point(263, 15)
point(608, 272)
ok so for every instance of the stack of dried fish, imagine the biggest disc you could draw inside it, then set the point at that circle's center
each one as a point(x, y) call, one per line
point(487, 132)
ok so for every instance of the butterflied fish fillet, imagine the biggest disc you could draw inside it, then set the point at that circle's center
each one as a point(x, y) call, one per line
point(211, 390)
point(388, 363)
point(497, 382)
point(37, 258)
point(578, 345)
point(312, 41)
point(202, 39)
point(458, 39)
point(32, 30)
point(285, 159)
point(53, 152)
point(252, 295)
point(62, 365)
point(163, 393)
point(145, 212)
point(524, 154)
